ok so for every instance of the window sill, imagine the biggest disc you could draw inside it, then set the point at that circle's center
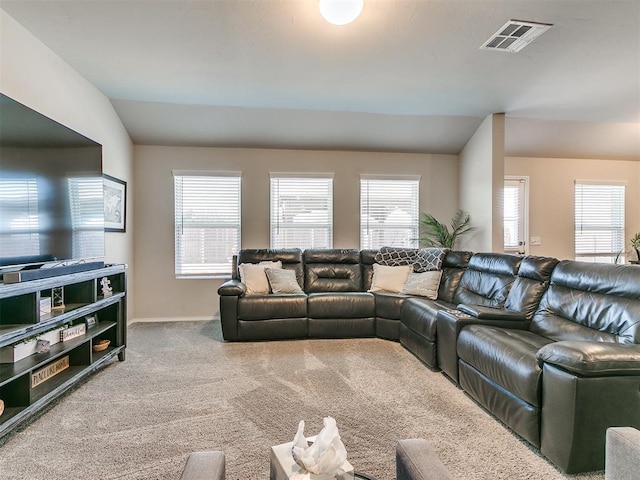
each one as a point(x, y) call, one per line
point(224, 276)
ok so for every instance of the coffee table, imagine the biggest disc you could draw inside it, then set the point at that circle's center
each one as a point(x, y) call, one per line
point(282, 462)
point(362, 476)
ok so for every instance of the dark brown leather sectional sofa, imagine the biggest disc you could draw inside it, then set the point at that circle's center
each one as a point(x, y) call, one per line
point(551, 348)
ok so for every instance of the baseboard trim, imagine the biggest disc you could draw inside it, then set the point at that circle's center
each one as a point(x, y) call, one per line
point(171, 319)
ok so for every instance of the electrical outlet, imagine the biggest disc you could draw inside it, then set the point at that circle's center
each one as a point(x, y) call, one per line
point(536, 241)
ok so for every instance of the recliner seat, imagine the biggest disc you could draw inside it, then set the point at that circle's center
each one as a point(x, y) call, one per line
point(484, 279)
point(573, 373)
point(337, 305)
point(533, 278)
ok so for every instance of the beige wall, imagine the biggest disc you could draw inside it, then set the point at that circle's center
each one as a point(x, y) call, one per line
point(481, 185)
point(160, 295)
point(33, 75)
point(551, 213)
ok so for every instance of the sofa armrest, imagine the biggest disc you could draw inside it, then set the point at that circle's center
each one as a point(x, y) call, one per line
point(207, 465)
point(449, 326)
point(592, 359)
point(232, 288)
point(230, 293)
point(622, 457)
point(416, 460)
point(483, 312)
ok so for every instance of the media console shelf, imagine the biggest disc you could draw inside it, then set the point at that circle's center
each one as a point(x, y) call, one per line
point(29, 381)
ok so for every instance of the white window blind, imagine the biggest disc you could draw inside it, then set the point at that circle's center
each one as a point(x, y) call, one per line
point(86, 202)
point(514, 215)
point(599, 222)
point(207, 222)
point(301, 211)
point(19, 224)
point(389, 211)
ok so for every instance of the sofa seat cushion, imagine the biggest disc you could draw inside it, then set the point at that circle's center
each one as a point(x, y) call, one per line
point(388, 305)
point(505, 356)
point(263, 307)
point(419, 314)
point(341, 305)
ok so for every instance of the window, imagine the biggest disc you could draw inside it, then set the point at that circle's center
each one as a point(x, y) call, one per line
point(86, 203)
point(599, 217)
point(207, 222)
point(301, 211)
point(388, 211)
point(515, 214)
point(19, 224)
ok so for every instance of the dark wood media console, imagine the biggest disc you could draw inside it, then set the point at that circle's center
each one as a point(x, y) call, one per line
point(29, 381)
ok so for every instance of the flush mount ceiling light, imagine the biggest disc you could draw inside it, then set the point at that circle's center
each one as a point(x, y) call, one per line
point(515, 35)
point(340, 12)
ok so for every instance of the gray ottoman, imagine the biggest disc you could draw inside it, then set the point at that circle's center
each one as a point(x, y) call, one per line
point(416, 460)
point(208, 465)
point(622, 458)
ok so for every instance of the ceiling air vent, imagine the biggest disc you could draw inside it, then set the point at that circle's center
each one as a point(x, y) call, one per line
point(515, 35)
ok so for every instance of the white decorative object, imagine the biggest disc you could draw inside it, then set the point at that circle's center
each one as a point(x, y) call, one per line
point(1, 407)
point(283, 467)
point(45, 305)
point(325, 455)
point(107, 291)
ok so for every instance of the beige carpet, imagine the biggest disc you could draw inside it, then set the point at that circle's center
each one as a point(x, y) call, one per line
point(182, 389)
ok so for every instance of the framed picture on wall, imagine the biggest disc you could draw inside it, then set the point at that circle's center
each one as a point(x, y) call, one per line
point(115, 204)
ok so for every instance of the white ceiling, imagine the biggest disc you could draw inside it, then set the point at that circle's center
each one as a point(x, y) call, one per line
point(407, 75)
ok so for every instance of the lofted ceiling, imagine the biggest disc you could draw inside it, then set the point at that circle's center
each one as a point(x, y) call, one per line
point(407, 75)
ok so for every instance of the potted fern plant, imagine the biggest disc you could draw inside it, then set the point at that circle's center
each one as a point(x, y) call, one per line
point(433, 233)
point(635, 243)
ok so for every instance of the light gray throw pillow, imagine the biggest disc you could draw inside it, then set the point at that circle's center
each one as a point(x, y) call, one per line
point(424, 284)
point(282, 281)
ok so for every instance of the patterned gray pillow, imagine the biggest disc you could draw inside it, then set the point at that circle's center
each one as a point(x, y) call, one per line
point(429, 259)
point(395, 256)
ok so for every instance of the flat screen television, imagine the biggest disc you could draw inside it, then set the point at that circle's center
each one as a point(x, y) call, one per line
point(51, 192)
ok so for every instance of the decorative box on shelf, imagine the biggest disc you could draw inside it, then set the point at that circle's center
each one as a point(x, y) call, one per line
point(18, 351)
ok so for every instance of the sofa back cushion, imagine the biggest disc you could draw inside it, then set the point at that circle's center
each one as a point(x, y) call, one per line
point(590, 302)
point(332, 270)
point(488, 279)
point(533, 279)
point(291, 259)
point(453, 266)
